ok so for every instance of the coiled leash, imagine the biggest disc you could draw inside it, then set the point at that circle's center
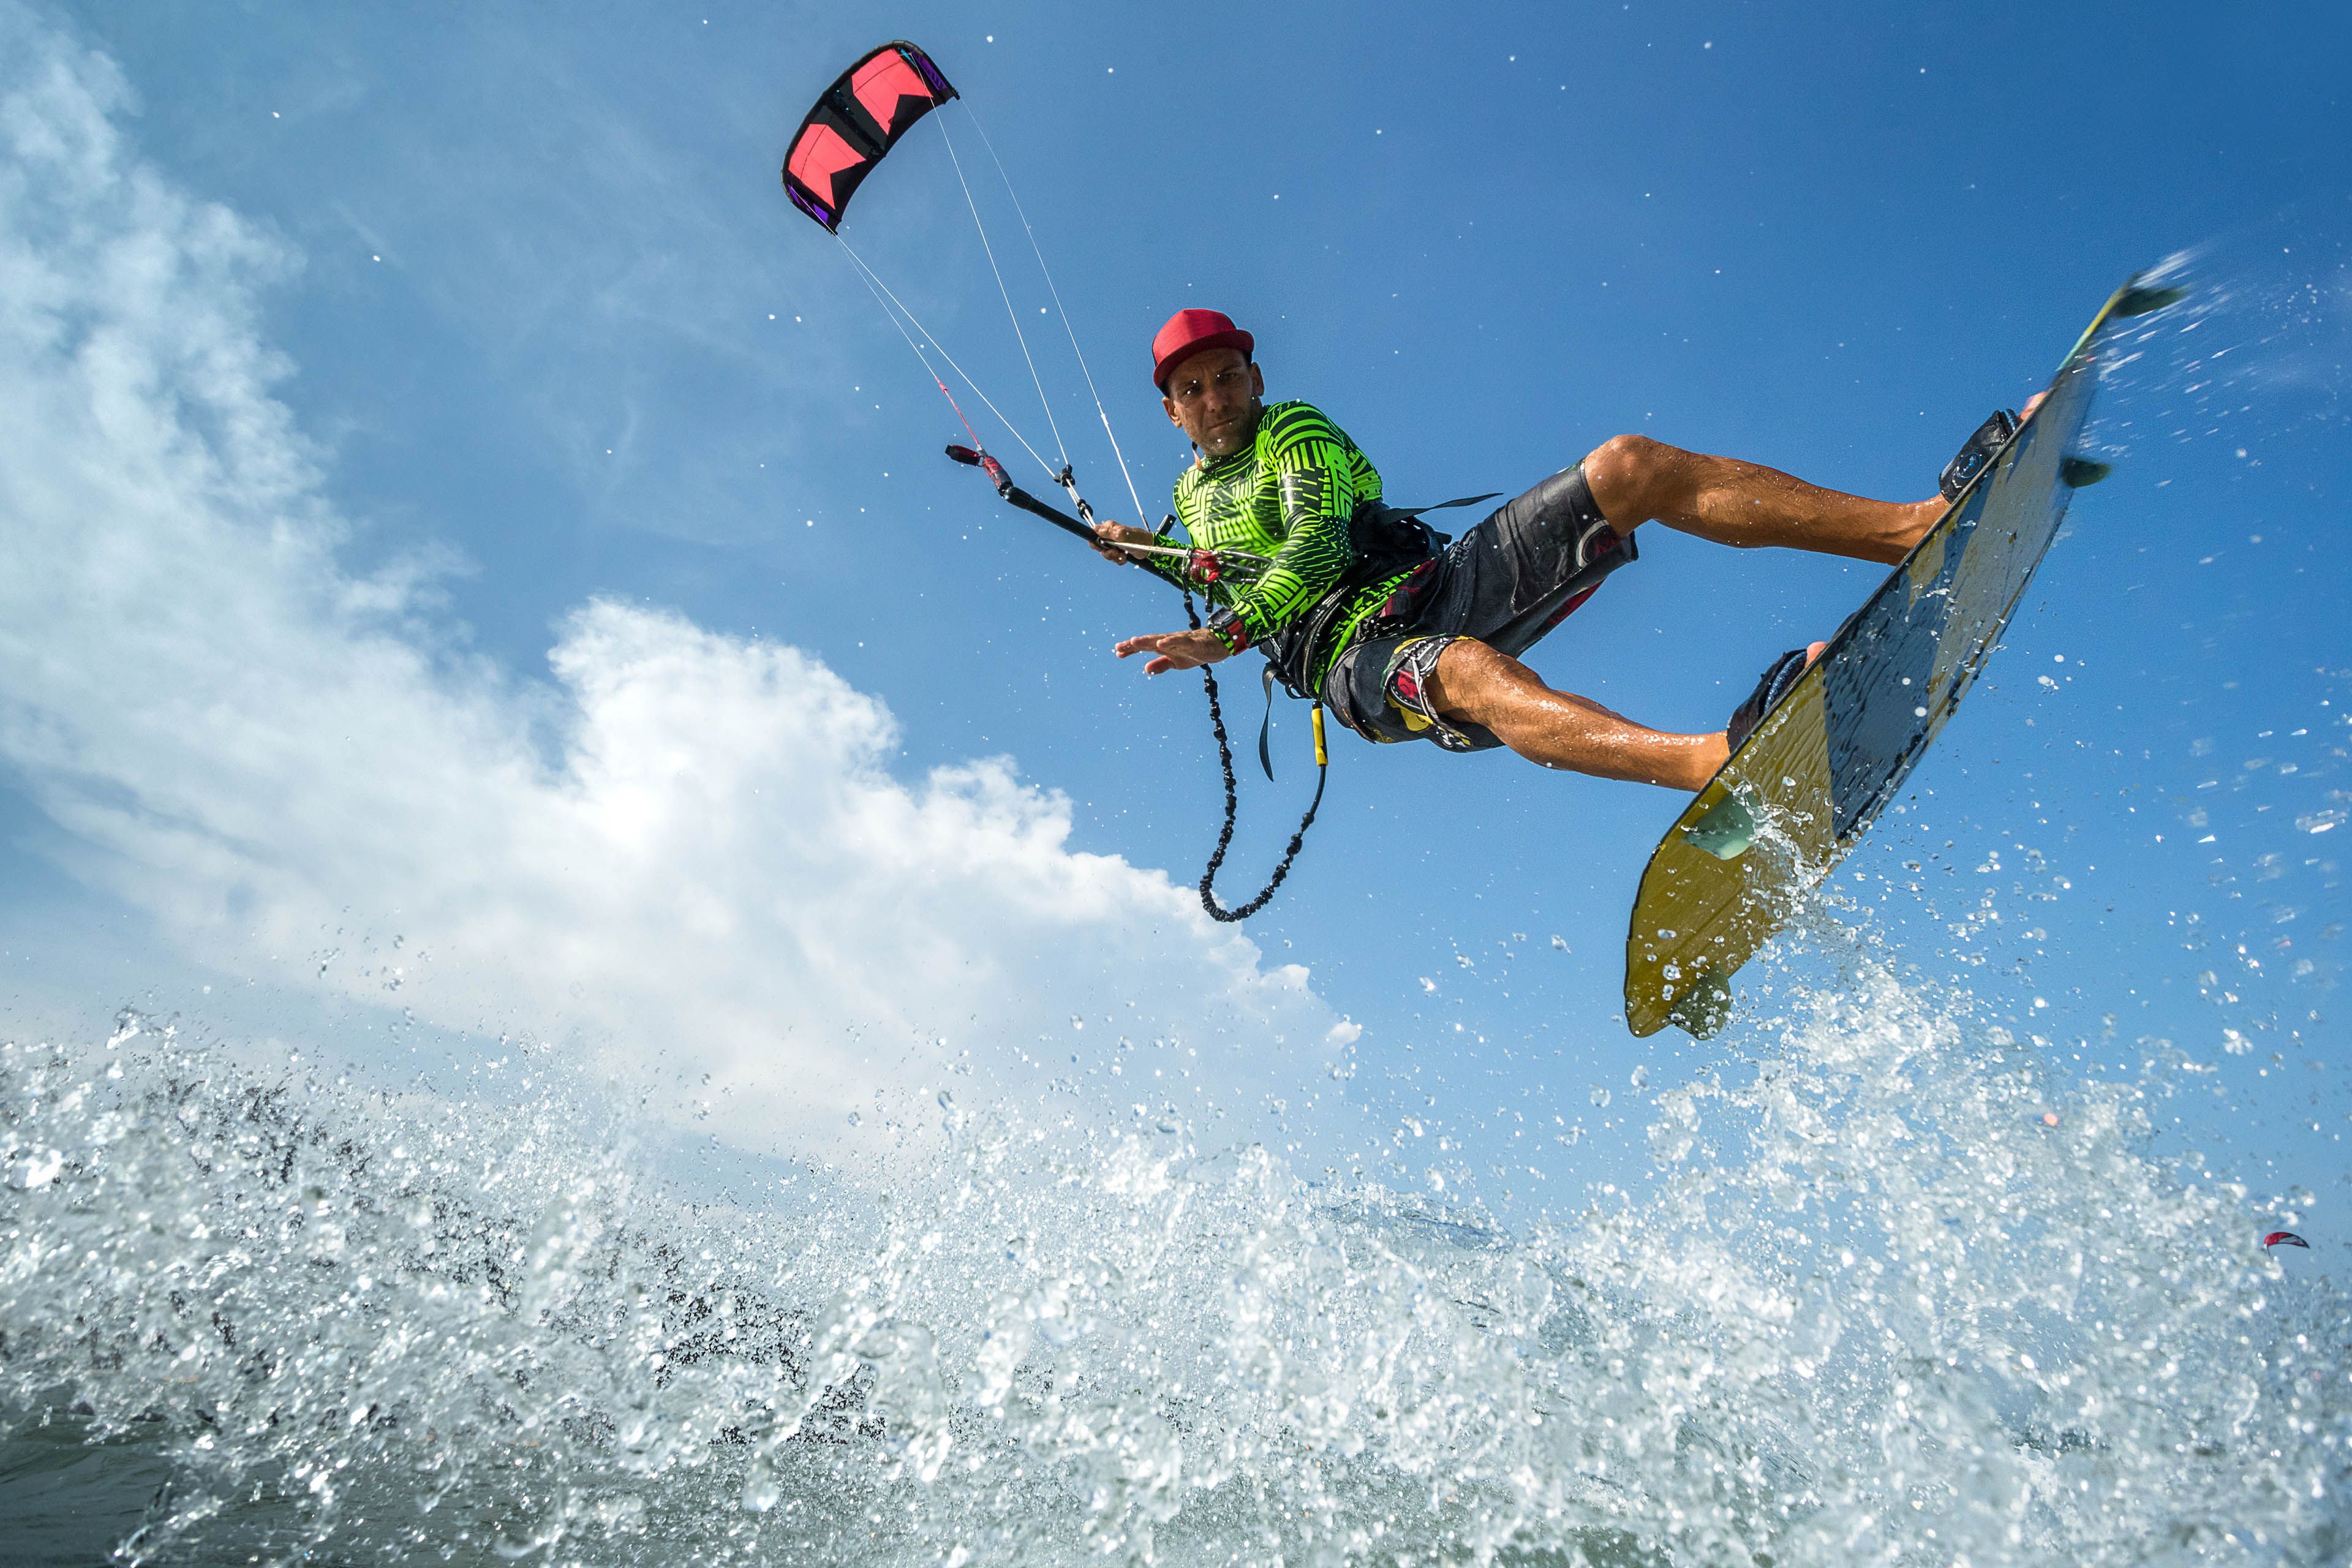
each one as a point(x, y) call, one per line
point(1217, 912)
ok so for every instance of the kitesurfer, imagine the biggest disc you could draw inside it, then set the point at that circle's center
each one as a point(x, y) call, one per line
point(1404, 638)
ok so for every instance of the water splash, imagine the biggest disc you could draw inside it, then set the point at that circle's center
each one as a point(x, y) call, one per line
point(2255, 352)
point(1877, 1309)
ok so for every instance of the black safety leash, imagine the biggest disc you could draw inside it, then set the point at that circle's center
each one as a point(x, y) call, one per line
point(1217, 912)
point(1014, 495)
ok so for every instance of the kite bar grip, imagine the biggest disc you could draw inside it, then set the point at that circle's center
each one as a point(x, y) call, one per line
point(1052, 514)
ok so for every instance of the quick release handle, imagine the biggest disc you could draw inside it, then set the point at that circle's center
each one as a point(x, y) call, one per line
point(987, 465)
point(1017, 496)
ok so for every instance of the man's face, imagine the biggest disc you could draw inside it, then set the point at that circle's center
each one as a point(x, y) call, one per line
point(1214, 397)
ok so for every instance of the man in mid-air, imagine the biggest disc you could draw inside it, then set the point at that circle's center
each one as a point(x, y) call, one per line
point(1403, 640)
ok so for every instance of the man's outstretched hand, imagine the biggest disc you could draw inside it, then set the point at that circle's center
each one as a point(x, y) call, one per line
point(1176, 650)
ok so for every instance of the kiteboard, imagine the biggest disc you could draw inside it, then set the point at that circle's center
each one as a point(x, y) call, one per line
point(1813, 775)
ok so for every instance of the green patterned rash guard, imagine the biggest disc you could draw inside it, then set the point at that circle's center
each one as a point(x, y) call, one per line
point(1289, 497)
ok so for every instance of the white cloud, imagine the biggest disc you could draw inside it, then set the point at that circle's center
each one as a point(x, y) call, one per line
point(688, 844)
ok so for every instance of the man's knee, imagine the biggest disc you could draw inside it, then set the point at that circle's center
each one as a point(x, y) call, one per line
point(1469, 678)
point(1624, 474)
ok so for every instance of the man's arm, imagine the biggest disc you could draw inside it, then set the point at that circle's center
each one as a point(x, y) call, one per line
point(1319, 498)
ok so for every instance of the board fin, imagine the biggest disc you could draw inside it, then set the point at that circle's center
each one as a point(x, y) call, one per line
point(1703, 1006)
point(2081, 473)
point(1725, 831)
point(2139, 300)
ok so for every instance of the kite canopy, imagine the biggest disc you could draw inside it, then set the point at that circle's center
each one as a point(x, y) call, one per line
point(2284, 1238)
point(855, 124)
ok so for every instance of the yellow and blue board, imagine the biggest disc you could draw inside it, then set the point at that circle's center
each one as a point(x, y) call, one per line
point(1813, 777)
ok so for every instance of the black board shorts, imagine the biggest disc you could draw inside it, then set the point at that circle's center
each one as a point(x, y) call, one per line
point(1505, 582)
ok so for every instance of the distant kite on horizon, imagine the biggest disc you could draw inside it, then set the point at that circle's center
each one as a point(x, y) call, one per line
point(2286, 1239)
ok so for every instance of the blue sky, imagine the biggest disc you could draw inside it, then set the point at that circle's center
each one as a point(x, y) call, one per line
point(548, 337)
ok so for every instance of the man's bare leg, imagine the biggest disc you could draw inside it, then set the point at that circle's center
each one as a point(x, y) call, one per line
point(1473, 682)
point(1635, 479)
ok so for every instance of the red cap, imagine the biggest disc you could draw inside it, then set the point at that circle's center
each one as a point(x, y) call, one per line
point(1188, 332)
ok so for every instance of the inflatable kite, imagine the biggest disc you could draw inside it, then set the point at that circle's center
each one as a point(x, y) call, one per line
point(855, 124)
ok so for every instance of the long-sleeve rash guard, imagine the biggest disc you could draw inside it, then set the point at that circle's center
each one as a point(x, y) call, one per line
point(1290, 496)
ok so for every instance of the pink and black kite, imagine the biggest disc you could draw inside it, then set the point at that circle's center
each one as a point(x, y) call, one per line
point(855, 123)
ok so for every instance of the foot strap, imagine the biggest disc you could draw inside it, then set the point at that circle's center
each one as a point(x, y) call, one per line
point(1976, 455)
point(1778, 678)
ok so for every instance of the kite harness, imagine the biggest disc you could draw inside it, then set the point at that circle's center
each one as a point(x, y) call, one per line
point(853, 126)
